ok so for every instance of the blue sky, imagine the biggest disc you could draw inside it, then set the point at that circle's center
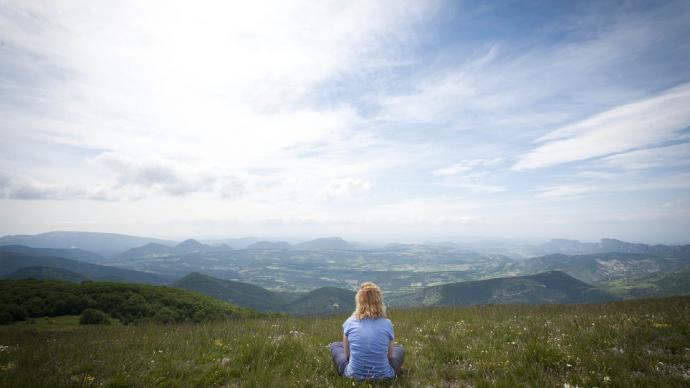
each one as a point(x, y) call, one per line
point(387, 120)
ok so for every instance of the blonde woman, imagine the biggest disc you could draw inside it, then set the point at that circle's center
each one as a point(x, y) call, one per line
point(368, 350)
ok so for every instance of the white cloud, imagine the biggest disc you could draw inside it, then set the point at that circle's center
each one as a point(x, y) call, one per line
point(643, 123)
point(465, 166)
point(669, 156)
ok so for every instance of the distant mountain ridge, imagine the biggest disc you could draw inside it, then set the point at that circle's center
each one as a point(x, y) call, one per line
point(67, 253)
point(159, 250)
point(603, 266)
point(546, 287)
point(12, 261)
point(104, 244)
point(609, 245)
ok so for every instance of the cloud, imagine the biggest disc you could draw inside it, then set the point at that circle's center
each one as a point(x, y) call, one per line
point(640, 124)
point(621, 183)
point(465, 166)
point(669, 156)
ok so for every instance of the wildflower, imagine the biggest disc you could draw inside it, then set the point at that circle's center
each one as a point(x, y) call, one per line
point(607, 379)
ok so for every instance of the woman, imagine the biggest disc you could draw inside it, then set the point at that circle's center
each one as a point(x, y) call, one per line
point(368, 350)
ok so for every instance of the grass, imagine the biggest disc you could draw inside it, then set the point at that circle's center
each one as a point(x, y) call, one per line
point(621, 344)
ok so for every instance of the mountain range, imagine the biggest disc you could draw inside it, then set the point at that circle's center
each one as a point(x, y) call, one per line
point(104, 244)
point(13, 261)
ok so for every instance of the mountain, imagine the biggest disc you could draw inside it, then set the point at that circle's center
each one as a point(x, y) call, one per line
point(105, 244)
point(235, 243)
point(324, 300)
point(609, 245)
point(656, 285)
point(269, 246)
point(154, 250)
point(547, 287)
point(67, 253)
point(193, 246)
point(150, 250)
point(44, 273)
point(11, 262)
point(603, 266)
point(324, 244)
point(242, 294)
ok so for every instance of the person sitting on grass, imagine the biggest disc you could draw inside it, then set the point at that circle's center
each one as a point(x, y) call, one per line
point(368, 350)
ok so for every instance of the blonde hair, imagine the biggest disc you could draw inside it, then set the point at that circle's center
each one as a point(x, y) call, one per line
point(369, 301)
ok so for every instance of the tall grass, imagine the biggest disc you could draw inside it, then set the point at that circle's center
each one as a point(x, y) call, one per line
point(633, 343)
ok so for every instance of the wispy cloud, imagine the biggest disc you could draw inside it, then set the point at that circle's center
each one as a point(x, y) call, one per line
point(641, 124)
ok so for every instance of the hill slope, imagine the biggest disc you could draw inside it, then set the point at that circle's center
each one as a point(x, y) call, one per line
point(11, 262)
point(325, 300)
point(547, 287)
point(242, 294)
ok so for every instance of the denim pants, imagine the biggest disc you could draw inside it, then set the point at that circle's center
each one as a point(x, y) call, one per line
point(338, 355)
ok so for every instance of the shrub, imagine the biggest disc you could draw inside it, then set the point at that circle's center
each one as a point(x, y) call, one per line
point(93, 317)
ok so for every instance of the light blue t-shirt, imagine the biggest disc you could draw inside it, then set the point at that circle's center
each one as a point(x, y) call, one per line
point(369, 339)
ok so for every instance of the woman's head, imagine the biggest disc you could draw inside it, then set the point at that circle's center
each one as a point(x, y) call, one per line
point(369, 301)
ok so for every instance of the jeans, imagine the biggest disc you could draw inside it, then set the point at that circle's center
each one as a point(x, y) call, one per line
point(338, 355)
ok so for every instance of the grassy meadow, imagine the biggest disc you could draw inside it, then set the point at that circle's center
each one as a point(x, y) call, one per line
point(620, 344)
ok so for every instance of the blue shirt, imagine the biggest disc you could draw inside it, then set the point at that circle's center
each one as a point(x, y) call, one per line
point(369, 339)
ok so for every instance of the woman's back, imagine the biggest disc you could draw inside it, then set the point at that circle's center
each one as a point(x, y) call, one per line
point(369, 339)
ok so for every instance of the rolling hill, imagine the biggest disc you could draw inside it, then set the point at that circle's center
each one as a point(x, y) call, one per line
point(242, 294)
point(105, 244)
point(11, 262)
point(547, 287)
point(325, 300)
point(324, 244)
point(67, 253)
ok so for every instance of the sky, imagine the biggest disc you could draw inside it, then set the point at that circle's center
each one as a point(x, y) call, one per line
point(371, 120)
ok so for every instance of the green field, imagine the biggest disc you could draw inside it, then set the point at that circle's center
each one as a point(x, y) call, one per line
point(631, 343)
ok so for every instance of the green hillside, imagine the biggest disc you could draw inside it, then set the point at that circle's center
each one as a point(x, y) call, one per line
point(243, 294)
point(547, 287)
point(620, 344)
point(325, 300)
point(129, 303)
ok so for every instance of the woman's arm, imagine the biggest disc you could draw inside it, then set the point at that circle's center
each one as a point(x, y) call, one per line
point(391, 346)
point(346, 345)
